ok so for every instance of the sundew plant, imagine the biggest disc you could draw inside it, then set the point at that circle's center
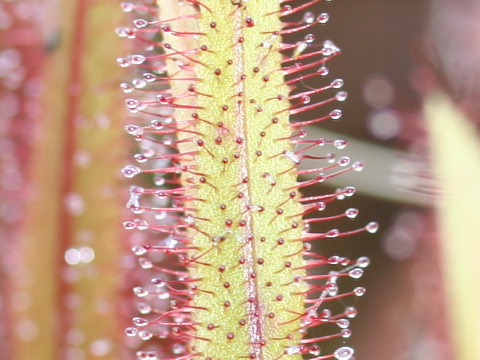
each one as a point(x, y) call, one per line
point(214, 106)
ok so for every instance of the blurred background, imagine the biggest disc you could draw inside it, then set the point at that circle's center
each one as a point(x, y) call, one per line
point(411, 70)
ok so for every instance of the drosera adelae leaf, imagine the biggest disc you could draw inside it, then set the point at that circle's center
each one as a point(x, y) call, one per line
point(227, 246)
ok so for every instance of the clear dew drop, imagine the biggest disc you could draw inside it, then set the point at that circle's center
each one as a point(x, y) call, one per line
point(291, 350)
point(135, 189)
point(350, 312)
point(126, 88)
point(350, 191)
point(356, 273)
point(123, 62)
point(145, 335)
point(323, 71)
point(341, 96)
point(171, 242)
point(148, 152)
point(163, 99)
point(140, 355)
point(146, 355)
point(337, 83)
point(123, 31)
point(332, 288)
point(342, 323)
point(330, 157)
point(333, 260)
point(131, 331)
point(138, 321)
point(157, 124)
point(321, 206)
point(160, 215)
point(137, 59)
point(144, 308)
point(343, 353)
point(321, 178)
point(329, 48)
point(291, 156)
point(340, 144)
point(314, 350)
point(139, 250)
point(339, 194)
point(158, 282)
point(359, 291)
point(346, 333)
point(141, 224)
point(300, 47)
point(132, 103)
point(309, 38)
point(140, 158)
point(323, 18)
point(131, 171)
point(152, 356)
point(308, 319)
point(343, 161)
point(149, 77)
point(326, 314)
point(333, 233)
point(127, 6)
point(358, 166)
point(305, 100)
point(372, 227)
point(129, 225)
point(266, 44)
point(145, 263)
point(168, 141)
point(189, 220)
point(133, 202)
point(351, 213)
point(308, 17)
point(178, 349)
point(174, 304)
point(287, 10)
point(335, 114)
point(161, 194)
point(363, 262)
point(164, 295)
point(140, 23)
point(133, 130)
point(139, 83)
point(140, 291)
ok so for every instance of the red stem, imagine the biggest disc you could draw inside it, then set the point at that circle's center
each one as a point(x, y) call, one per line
point(66, 238)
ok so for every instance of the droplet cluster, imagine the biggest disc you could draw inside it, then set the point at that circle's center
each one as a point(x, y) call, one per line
point(213, 118)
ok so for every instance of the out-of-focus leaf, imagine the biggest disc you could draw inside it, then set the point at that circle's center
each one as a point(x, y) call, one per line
point(455, 147)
